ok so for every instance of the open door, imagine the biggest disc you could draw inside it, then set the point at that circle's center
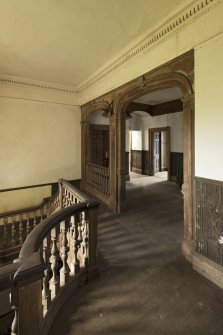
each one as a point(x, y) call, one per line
point(159, 150)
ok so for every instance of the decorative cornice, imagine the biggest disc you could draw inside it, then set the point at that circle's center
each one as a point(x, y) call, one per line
point(172, 26)
point(6, 80)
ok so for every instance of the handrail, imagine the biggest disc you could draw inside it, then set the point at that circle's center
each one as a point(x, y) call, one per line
point(98, 181)
point(98, 166)
point(74, 190)
point(60, 249)
point(17, 225)
point(26, 210)
point(33, 241)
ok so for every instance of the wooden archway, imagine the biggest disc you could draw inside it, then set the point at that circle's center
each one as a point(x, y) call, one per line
point(176, 73)
point(153, 83)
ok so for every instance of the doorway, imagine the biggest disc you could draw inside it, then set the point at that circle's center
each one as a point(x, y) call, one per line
point(159, 151)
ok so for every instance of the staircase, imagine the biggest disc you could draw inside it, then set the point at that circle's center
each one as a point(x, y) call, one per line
point(54, 247)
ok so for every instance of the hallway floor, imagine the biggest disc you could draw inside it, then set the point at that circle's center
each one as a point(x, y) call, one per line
point(145, 286)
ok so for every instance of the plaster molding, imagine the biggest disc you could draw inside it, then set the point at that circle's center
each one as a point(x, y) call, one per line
point(13, 81)
point(163, 31)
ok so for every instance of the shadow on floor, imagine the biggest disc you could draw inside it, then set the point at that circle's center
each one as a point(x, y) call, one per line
point(145, 285)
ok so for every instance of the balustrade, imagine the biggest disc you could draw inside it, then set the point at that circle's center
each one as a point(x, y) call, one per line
point(15, 226)
point(98, 179)
point(57, 252)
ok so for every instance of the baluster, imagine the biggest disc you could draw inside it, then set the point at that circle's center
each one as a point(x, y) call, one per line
point(80, 221)
point(5, 238)
point(108, 184)
point(64, 271)
point(28, 226)
point(104, 182)
point(21, 229)
point(46, 293)
point(14, 307)
point(34, 221)
point(75, 264)
point(54, 281)
point(13, 232)
point(85, 238)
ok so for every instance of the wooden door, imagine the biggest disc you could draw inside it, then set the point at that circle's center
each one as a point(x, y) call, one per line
point(156, 151)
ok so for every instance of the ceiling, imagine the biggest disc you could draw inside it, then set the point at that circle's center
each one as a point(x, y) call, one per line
point(158, 97)
point(161, 96)
point(64, 42)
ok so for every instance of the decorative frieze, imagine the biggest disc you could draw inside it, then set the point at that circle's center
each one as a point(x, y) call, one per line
point(164, 30)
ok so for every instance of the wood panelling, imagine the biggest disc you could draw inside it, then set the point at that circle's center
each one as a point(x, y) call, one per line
point(167, 108)
point(138, 106)
point(175, 158)
point(209, 218)
point(145, 162)
point(158, 109)
point(136, 161)
point(99, 144)
point(140, 161)
point(127, 166)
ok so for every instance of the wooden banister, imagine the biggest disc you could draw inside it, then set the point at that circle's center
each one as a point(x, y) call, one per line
point(60, 249)
point(98, 181)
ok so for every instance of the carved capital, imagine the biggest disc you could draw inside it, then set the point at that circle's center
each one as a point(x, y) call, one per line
point(188, 100)
point(84, 123)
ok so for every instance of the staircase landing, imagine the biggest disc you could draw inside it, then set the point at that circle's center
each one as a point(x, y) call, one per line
point(145, 285)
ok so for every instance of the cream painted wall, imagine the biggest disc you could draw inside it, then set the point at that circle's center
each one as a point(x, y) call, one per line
point(23, 198)
point(40, 142)
point(209, 109)
point(136, 140)
point(174, 121)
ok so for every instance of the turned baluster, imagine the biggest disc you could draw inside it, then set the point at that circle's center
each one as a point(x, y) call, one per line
point(80, 228)
point(75, 264)
point(41, 214)
point(34, 221)
point(54, 281)
point(46, 293)
point(28, 226)
point(13, 232)
point(5, 237)
point(20, 229)
point(64, 271)
point(104, 182)
point(101, 181)
point(14, 306)
point(85, 238)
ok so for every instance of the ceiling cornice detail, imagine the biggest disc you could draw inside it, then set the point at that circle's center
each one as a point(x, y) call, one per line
point(7, 80)
point(171, 26)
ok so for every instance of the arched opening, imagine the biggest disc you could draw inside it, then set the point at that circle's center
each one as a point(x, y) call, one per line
point(177, 74)
point(162, 82)
point(96, 151)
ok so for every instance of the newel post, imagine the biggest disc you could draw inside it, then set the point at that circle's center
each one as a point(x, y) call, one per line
point(93, 242)
point(26, 296)
point(26, 302)
point(30, 309)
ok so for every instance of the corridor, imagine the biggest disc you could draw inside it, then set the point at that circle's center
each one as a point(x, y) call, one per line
point(145, 286)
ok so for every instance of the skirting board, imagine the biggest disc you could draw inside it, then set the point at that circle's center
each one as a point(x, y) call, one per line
point(207, 268)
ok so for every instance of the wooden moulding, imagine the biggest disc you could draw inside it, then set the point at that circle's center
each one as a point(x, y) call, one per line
point(178, 72)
